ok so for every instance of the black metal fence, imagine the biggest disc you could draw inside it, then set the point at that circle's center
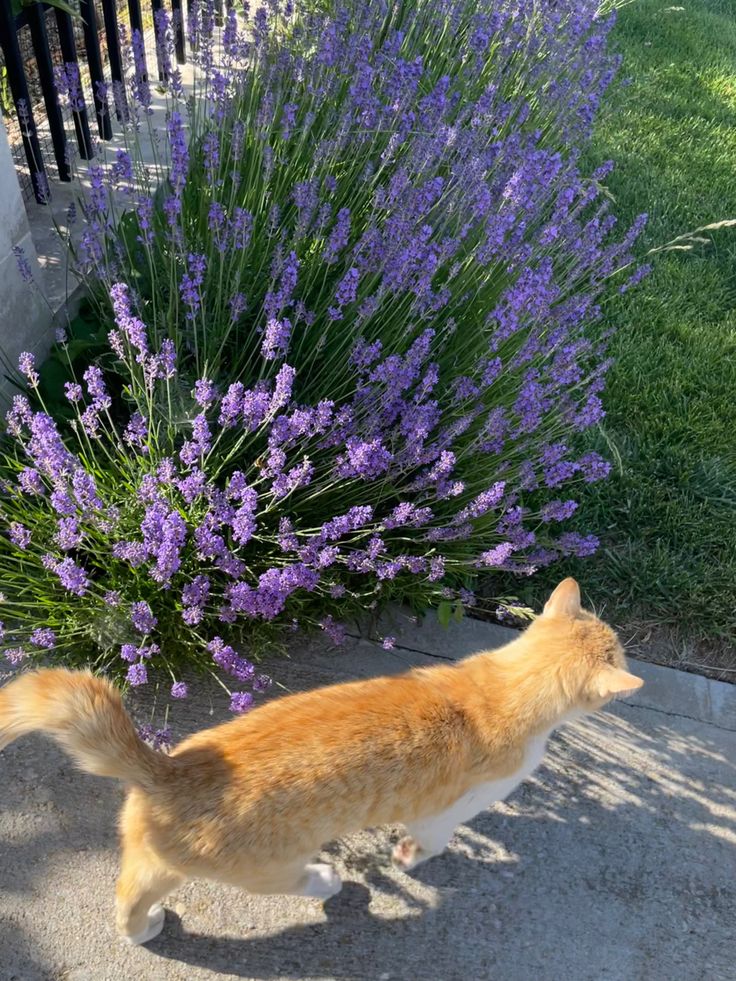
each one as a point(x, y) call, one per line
point(42, 41)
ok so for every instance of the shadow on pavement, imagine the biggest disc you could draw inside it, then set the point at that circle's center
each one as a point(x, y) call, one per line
point(616, 862)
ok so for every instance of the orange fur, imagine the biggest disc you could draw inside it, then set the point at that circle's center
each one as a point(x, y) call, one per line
point(252, 801)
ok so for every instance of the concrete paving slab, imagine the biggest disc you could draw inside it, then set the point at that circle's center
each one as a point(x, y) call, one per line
point(616, 861)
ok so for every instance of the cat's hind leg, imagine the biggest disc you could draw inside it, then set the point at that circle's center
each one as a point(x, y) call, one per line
point(142, 883)
point(144, 877)
point(314, 879)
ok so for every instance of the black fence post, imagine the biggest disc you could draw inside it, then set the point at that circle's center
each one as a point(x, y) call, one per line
point(22, 100)
point(113, 53)
point(94, 61)
point(156, 6)
point(177, 16)
point(76, 100)
point(37, 23)
point(136, 24)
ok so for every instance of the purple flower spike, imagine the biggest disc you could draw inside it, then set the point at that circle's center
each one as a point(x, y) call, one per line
point(142, 617)
point(205, 392)
point(27, 366)
point(262, 682)
point(43, 637)
point(19, 535)
point(241, 701)
point(137, 674)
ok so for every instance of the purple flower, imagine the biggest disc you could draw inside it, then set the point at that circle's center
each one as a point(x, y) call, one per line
point(164, 533)
point(191, 283)
point(196, 592)
point(131, 326)
point(19, 415)
point(30, 481)
point(19, 535)
point(572, 543)
point(167, 359)
point(136, 432)
point(162, 738)
point(71, 576)
point(244, 521)
point(43, 637)
point(335, 631)
point(67, 535)
point(339, 235)
point(205, 392)
point(496, 557)
point(347, 291)
point(129, 653)
point(282, 389)
point(262, 682)
point(193, 485)
point(558, 510)
point(276, 338)
point(179, 153)
point(593, 467)
point(46, 448)
point(73, 391)
point(388, 643)
point(142, 617)
point(27, 365)
point(436, 568)
point(135, 553)
point(241, 701)
point(112, 598)
point(364, 459)
point(179, 689)
point(483, 503)
point(137, 674)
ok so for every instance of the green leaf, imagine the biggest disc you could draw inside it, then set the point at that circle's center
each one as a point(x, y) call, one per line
point(53, 373)
point(459, 612)
point(444, 613)
point(60, 4)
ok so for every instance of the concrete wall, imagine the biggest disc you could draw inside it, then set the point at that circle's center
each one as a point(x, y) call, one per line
point(25, 318)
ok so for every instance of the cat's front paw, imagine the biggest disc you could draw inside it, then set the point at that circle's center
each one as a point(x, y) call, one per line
point(322, 881)
point(405, 854)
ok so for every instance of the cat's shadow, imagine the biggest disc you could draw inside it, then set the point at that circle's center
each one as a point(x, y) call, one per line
point(352, 944)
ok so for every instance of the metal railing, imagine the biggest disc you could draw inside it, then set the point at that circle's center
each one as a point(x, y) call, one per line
point(102, 68)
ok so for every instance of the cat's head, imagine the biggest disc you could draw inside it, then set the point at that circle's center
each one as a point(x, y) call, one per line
point(586, 651)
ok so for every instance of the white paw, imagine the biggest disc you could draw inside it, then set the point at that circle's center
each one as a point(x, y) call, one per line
point(322, 881)
point(405, 854)
point(155, 925)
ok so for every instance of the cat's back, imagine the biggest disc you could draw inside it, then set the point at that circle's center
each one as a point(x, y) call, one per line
point(368, 741)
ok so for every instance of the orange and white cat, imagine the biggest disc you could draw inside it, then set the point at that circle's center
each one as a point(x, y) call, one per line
point(251, 802)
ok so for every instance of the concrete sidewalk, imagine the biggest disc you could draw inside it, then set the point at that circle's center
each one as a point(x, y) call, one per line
point(616, 860)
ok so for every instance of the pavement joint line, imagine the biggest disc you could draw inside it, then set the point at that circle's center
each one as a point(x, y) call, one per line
point(401, 647)
point(674, 715)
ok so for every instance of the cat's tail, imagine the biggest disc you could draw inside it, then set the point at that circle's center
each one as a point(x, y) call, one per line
point(85, 715)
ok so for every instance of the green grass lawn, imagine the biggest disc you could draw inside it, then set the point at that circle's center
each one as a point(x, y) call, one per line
point(667, 517)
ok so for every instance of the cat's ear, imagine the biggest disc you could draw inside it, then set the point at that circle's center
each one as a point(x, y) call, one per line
point(609, 681)
point(565, 600)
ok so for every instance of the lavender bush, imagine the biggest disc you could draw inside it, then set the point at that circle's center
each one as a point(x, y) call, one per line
point(352, 310)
